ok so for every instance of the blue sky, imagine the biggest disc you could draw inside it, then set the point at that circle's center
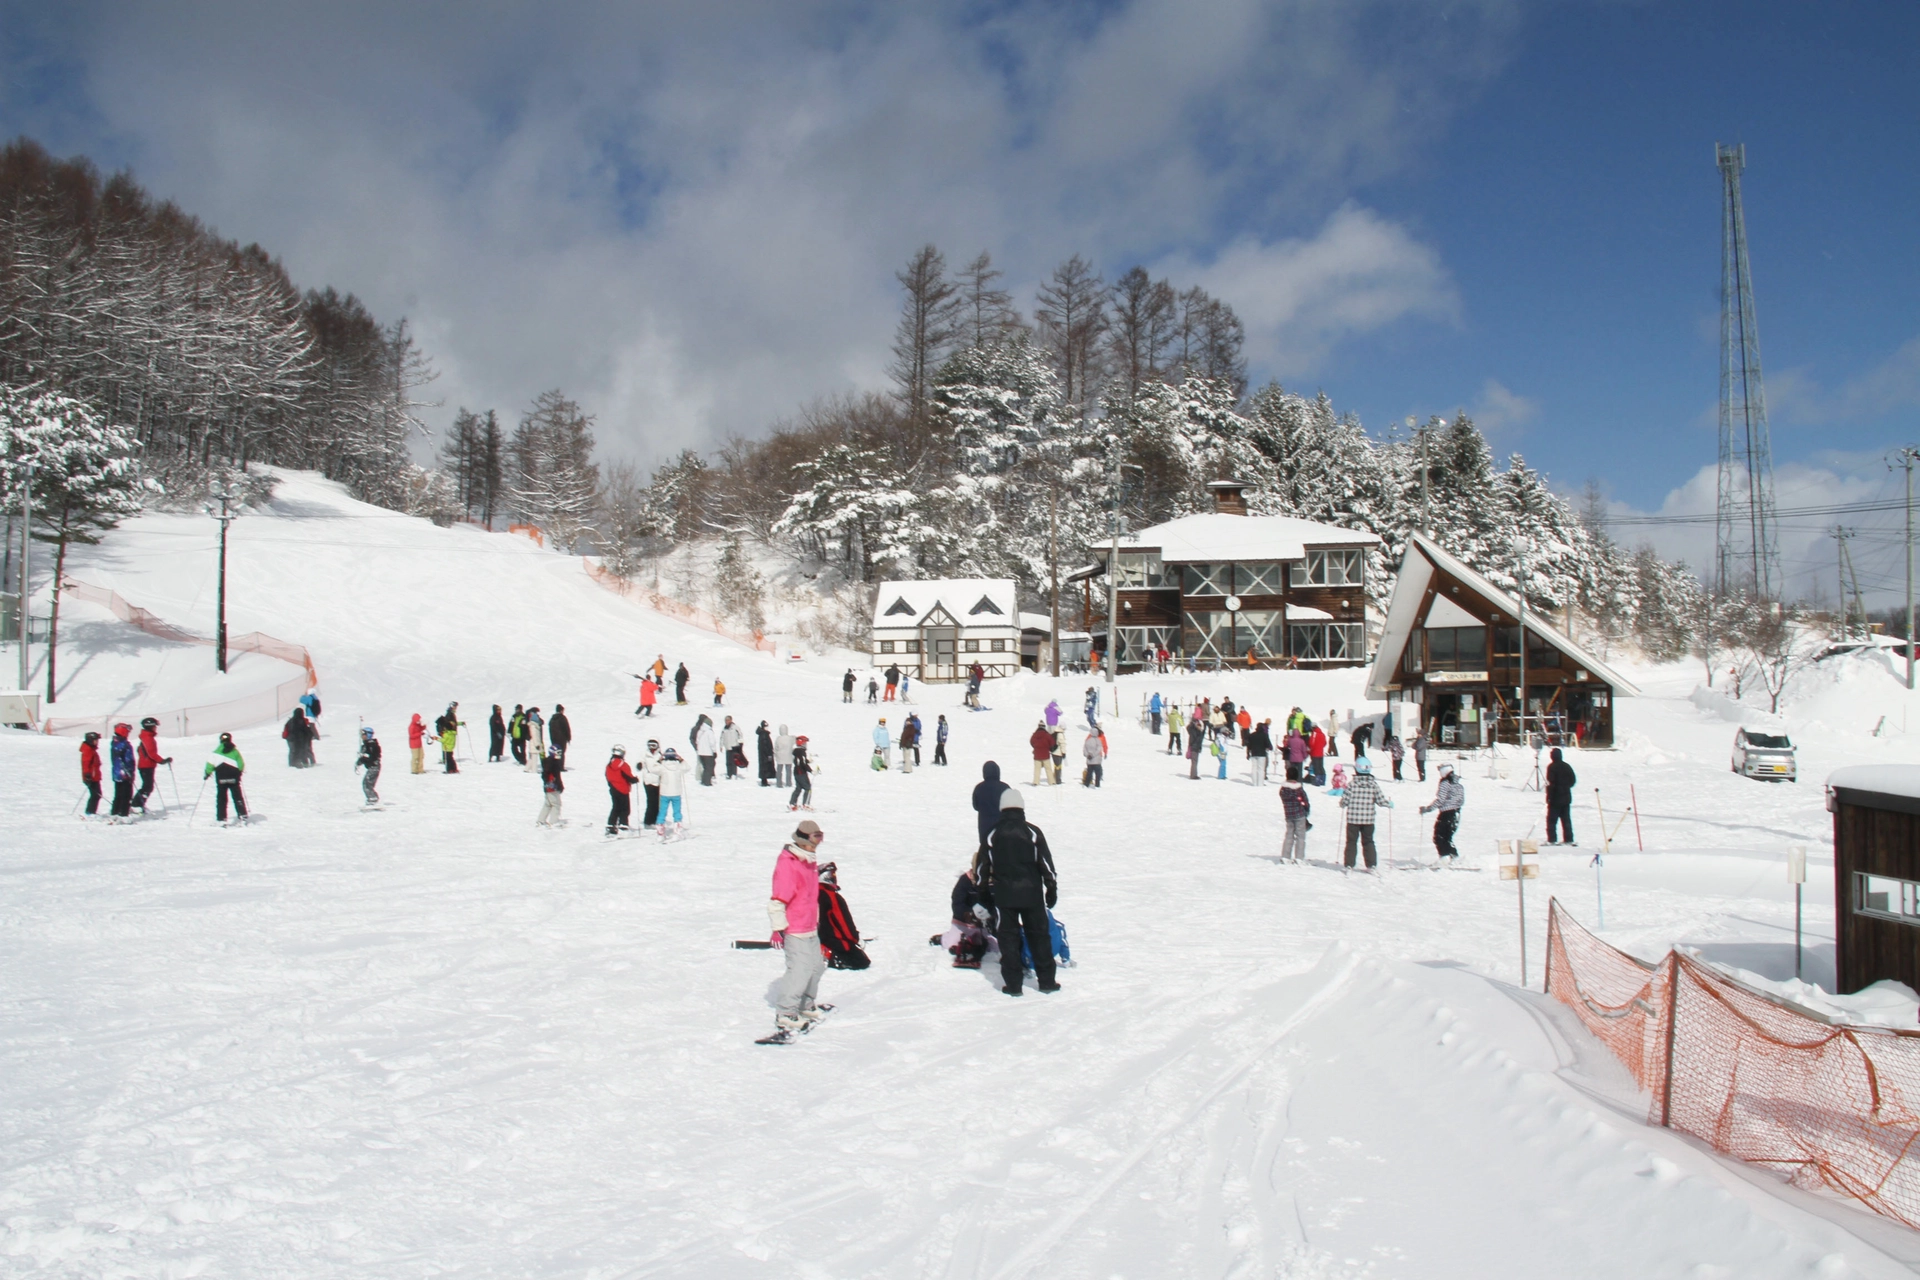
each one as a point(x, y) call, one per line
point(689, 216)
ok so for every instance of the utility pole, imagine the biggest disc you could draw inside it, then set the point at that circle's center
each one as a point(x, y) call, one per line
point(220, 631)
point(1840, 535)
point(1113, 566)
point(26, 541)
point(1520, 599)
point(1906, 459)
point(1426, 524)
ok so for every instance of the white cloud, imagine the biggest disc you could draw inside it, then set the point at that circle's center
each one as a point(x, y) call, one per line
point(1807, 549)
point(690, 216)
point(1500, 412)
point(1299, 297)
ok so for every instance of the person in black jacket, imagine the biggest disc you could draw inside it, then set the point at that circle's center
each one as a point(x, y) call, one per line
point(496, 736)
point(298, 732)
point(1560, 782)
point(559, 733)
point(369, 760)
point(1017, 880)
point(763, 744)
point(680, 678)
point(986, 799)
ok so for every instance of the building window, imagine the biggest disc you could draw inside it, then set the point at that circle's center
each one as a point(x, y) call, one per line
point(998, 646)
point(970, 646)
point(1456, 648)
point(1141, 569)
point(983, 605)
point(899, 606)
point(1308, 641)
point(1206, 580)
point(886, 646)
point(1328, 641)
point(1506, 649)
point(913, 646)
point(1339, 567)
point(1140, 644)
point(1258, 630)
point(1257, 579)
point(1886, 897)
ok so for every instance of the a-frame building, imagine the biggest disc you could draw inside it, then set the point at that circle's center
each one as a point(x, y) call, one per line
point(1450, 656)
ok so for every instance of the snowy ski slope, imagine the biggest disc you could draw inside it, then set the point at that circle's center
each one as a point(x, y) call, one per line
point(431, 1040)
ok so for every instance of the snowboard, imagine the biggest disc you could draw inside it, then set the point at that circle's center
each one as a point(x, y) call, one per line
point(785, 1036)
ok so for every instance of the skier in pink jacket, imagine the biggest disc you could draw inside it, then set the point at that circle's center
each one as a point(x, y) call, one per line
point(794, 909)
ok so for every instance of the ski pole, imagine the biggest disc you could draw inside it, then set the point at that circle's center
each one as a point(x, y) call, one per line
point(76, 805)
point(196, 802)
point(174, 778)
point(1634, 799)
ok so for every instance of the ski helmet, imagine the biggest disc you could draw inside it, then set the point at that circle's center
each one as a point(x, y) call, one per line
point(366, 731)
point(653, 744)
point(1363, 765)
point(150, 723)
point(619, 753)
point(92, 736)
point(672, 754)
point(226, 739)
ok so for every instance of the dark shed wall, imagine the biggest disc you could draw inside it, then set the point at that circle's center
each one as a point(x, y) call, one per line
point(1879, 841)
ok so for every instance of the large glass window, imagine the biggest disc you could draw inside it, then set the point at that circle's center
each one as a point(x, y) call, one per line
point(1140, 644)
point(1141, 569)
point(1346, 642)
point(1506, 649)
point(1307, 641)
point(1206, 580)
point(1257, 579)
point(1259, 630)
point(1340, 567)
point(1456, 648)
point(1210, 635)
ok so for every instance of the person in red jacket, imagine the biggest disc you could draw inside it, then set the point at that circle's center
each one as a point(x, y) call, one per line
point(90, 772)
point(1316, 755)
point(416, 735)
point(148, 758)
point(620, 780)
point(1042, 744)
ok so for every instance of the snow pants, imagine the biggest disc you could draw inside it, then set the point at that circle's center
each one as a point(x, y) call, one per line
point(1193, 762)
point(670, 809)
point(706, 770)
point(621, 811)
point(93, 796)
point(940, 752)
point(907, 755)
point(1095, 773)
point(1257, 768)
point(122, 797)
point(419, 759)
point(519, 749)
point(146, 788)
point(1445, 823)
point(549, 810)
point(1039, 773)
point(367, 783)
point(1560, 816)
point(496, 747)
point(1293, 848)
point(652, 814)
point(802, 790)
point(1032, 922)
point(1156, 724)
point(1360, 836)
point(1317, 771)
point(801, 982)
point(221, 790)
point(783, 775)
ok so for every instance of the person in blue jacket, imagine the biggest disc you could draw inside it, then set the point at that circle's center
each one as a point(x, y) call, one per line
point(120, 761)
point(940, 741)
point(1153, 709)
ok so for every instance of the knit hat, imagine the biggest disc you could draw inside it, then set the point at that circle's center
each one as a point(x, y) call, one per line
point(1011, 799)
point(1363, 765)
point(829, 874)
point(808, 828)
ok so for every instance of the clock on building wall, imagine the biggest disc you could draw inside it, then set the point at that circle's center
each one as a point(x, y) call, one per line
point(1233, 604)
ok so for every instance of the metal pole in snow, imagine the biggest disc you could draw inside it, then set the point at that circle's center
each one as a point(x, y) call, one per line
point(1635, 800)
point(1520, 878)
point(1606, 841)
point(26, 542)
point(1797, 872)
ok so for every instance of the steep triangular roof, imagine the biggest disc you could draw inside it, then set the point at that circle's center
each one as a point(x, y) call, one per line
point(1410, 587)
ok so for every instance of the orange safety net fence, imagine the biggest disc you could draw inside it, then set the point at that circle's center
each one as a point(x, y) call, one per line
point(675, 609)
point(1758, 1077)
point(262, 707)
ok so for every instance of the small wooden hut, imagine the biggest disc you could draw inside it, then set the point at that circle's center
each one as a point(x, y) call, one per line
point(1876, 874)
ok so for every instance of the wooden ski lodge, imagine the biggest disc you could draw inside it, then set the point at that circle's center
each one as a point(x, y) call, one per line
point(1221, 586)
point(1450, 655)
point(935, 630)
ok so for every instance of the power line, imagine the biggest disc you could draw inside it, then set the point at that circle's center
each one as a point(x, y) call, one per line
point(1781, 513)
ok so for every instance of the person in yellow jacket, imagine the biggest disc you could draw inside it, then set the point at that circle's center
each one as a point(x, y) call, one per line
point(719, 691)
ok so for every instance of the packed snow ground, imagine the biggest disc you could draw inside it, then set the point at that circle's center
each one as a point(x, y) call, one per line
point(432, 1040)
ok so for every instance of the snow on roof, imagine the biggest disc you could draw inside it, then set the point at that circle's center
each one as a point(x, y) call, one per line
point(1410, 588)
point(1216, 537)
point(973, 602)
point(1879, 779)
point(1307, 613)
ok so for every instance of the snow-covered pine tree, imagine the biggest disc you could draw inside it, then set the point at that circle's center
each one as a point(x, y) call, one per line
point(739, 588)
point(558, 485)
point(83, 473)
point(854, 509)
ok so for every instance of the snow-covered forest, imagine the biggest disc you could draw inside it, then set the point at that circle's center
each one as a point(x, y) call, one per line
point(1002, 447)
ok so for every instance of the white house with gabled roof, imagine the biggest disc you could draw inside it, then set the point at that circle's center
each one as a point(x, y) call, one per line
point(937, 629)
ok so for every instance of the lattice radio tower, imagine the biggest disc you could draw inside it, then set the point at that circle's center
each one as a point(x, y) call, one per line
point(1747, 543)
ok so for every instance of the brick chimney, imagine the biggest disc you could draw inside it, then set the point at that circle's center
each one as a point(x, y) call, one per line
point(1228, 497)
